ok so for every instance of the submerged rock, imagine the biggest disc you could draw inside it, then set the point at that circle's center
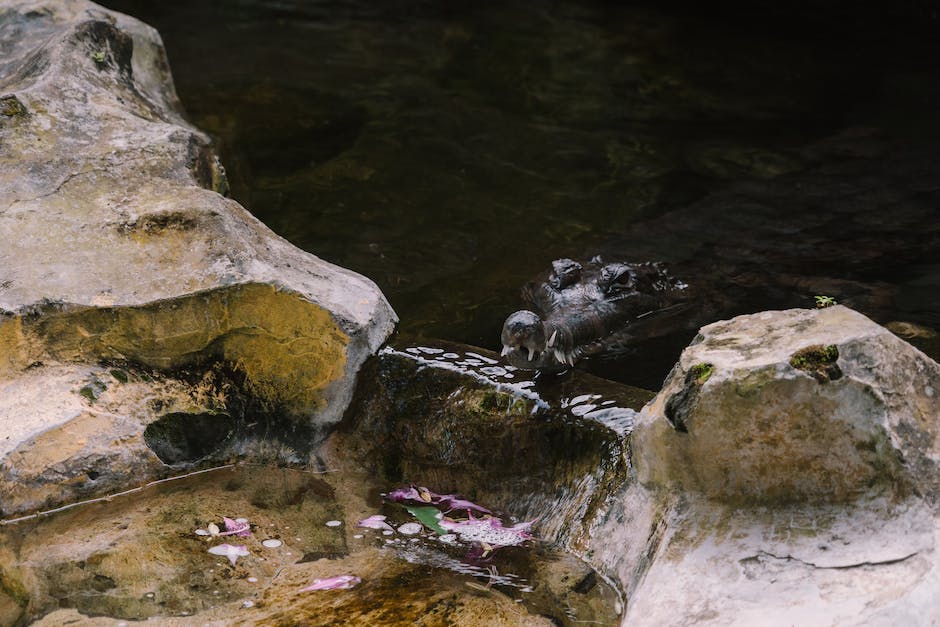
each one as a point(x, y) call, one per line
point(120, 247)
point(550, 448)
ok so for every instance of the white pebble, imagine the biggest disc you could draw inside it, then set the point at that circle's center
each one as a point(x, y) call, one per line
point(271, 543)
point(252, 580)
point(387, 532)
point(357, 536)
point(410, 529)
point(247, 604)
point(333, 523)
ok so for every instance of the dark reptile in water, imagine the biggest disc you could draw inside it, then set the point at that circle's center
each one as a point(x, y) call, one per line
point(580, 310)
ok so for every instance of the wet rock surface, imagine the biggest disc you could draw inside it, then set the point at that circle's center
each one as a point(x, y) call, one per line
point(75, 431)
point(120, 248)
point(550, 448)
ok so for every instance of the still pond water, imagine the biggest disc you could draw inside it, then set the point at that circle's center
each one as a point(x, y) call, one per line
point(450, 151)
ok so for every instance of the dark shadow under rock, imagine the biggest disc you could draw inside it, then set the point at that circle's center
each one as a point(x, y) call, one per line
point(182, 437)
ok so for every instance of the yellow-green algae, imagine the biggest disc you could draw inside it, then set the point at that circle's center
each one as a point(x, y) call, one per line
point(287, 348)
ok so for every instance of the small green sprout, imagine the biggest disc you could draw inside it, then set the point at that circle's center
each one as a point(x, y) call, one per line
point(99, 57)
point(824, 301)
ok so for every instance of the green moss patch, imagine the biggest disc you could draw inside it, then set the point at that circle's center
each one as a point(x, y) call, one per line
point(10, 106)
point(818, 361)
point(701, 372)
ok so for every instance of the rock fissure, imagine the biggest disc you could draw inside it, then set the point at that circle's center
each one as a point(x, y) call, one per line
point(790, 558)
point(98, 169)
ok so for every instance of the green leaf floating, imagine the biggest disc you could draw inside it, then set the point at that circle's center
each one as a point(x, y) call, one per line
point(427, 516)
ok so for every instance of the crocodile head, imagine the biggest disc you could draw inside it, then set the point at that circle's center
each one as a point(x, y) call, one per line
point(578, 311)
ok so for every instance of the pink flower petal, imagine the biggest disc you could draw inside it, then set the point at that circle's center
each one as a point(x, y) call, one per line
point(232, 552)
point(417, 494)
point(375, 522)
point(423, 496)
point(339, 582)
point(451, 502)
point(237, 528)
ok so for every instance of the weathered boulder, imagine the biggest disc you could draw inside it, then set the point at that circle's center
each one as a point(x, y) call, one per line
point(119, 247)
point(787, 475)
point(798, 405)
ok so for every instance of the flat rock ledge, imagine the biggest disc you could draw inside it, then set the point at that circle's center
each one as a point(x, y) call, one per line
point(787, 474)
point(121, 253)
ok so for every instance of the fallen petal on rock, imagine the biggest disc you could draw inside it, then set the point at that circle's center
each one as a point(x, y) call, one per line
point(417, 494)
point(451, 502)
point(421, 495)
point(339, 582)
point(375, 522)
point(232, 552)
point(239, 527)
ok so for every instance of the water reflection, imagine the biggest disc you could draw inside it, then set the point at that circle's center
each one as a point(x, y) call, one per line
point(561, 394)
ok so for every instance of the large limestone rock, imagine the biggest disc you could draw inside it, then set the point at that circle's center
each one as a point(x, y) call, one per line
point(787, 475)
point(119, 247)
point(798, 405)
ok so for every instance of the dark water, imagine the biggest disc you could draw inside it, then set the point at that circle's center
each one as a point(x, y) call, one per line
point(450, 150)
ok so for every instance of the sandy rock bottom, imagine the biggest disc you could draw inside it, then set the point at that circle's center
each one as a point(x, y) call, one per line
point(137, 556)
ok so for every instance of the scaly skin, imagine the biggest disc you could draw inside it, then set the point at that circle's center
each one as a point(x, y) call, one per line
point(580, 311)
